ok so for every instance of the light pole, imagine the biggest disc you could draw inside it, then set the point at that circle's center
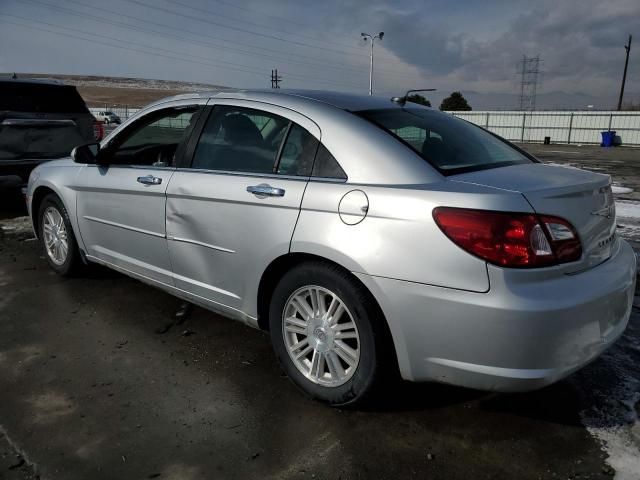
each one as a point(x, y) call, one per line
point(373, 38)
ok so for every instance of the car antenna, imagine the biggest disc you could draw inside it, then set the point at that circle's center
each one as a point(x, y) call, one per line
point(402, 100)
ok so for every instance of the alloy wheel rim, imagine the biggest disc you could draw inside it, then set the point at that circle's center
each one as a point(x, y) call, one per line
point(56, 240)
point(320, 336)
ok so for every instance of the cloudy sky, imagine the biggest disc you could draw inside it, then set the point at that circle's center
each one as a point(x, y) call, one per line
point(468, 45)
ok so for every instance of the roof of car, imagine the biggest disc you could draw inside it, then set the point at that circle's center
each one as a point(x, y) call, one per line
point(344, 101)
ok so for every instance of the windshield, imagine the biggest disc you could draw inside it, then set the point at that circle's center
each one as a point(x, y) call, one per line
point(449, 144)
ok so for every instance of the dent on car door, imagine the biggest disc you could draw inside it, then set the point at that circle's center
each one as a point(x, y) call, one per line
point(121, 202)
point(234, 210)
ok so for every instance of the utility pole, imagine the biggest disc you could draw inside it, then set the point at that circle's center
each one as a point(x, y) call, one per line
point(627, 47)
point(275, 79)
point(367, 36)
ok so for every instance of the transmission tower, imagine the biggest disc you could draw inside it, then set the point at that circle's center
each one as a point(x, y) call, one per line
point(529, 69)
point(275, 79)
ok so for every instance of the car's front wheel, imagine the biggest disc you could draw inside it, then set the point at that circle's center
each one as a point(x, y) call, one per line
point(57, 238)
point(328, 334)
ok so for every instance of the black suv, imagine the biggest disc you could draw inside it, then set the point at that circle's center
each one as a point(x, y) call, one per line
point(40, 120)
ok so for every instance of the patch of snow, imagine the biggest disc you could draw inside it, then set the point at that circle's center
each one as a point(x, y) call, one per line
point(628, 209)
point(621, 442)
point(629, 231)
point(617, 190)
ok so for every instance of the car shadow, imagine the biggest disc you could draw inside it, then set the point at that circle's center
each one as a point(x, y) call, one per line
point(12, 204)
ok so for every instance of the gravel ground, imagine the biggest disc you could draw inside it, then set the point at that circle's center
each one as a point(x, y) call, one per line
point(104, 377)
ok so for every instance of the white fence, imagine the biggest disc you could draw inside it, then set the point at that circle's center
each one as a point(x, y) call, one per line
point(561, 127)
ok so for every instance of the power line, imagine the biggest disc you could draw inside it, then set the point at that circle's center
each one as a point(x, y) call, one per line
point(230, 4)
point(172, 54)
point(263, 26)
point(242, 30)
point(164, 34)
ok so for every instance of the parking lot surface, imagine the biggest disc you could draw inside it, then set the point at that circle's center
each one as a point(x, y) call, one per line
point(102, 376)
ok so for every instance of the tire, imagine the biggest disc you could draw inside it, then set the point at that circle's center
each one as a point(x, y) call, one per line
point(50, 214)
point(356, 377)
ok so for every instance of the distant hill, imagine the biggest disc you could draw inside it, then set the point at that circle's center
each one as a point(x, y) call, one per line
point(99, 91)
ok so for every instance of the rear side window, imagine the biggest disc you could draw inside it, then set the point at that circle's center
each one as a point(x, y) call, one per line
point(240, 140)
point(451, 145)
point(326, 166)
point(40, 98)
point(298, 152)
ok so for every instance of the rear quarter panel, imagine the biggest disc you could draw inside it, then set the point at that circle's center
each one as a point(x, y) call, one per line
point(398, 238)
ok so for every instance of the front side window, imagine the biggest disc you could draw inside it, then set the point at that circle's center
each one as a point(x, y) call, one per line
point(240, 140)
point(451, 145)
point(153, 139)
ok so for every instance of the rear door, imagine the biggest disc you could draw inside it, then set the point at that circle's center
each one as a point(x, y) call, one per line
point(121, 201)
point(234, 209)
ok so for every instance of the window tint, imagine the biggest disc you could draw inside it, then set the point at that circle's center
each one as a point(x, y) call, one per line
point(448, 143)
point(154, 140)
point(240, 140)
point(298, 152)
point(326, 165)
point(40, 98)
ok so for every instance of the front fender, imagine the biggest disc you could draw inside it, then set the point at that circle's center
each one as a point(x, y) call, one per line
point(63, 181)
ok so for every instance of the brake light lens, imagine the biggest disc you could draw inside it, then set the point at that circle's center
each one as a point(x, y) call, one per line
point(510, 239)
point(98, 130)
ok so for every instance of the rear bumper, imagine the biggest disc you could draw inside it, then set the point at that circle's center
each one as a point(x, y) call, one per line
point(528, 331)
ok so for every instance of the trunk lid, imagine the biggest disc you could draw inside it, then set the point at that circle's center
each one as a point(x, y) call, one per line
point(583, 198)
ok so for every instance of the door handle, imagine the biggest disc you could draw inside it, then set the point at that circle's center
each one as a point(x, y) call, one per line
point(150, 180)
point(263, 190)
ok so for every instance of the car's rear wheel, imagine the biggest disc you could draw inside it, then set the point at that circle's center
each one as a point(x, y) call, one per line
point(57, 238)
point(328, 334)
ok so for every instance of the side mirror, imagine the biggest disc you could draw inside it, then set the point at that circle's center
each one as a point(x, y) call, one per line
point(87, 153)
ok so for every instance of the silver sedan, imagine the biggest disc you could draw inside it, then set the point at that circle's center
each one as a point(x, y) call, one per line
point(369, 237)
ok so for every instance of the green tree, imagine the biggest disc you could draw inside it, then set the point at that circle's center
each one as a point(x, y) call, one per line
point(417, 98)
point(455, 102)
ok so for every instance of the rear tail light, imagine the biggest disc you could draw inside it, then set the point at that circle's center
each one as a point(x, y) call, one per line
point(98, 130)
point(510, 239)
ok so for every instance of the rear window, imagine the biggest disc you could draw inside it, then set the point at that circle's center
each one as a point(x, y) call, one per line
point(449, 144)
point(40, 98)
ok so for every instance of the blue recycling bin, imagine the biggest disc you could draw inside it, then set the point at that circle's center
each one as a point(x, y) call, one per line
point(608, 138)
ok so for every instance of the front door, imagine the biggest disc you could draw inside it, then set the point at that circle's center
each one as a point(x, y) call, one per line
point(235, 209)
point(121, 201)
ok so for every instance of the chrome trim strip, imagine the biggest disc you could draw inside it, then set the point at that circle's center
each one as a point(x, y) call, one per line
point(137, 167)
point(202, 244)
point(125, 227)
point(300, 178)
